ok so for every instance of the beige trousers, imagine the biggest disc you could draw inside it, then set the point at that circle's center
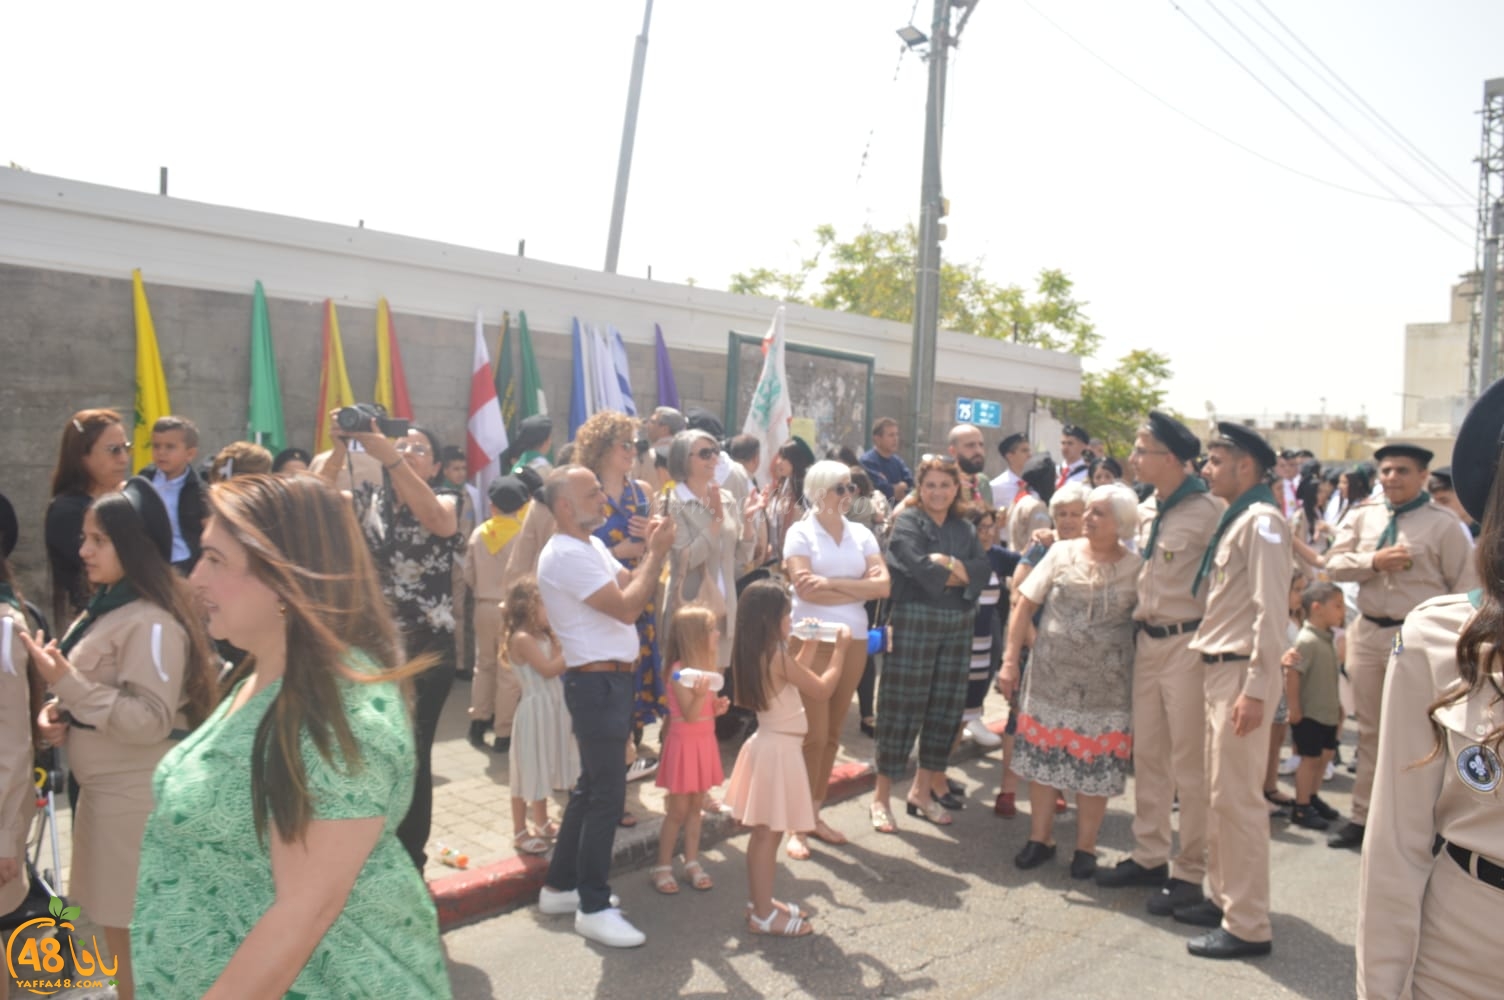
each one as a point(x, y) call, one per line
point(494, 693)
point(1368, 649)
point(1237, 829)
point(1169, 754)
point(826, 718)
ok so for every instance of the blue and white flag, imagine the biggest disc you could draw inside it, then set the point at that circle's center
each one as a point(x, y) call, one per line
point(772, 409)
point(579, 392)
point(623, 374)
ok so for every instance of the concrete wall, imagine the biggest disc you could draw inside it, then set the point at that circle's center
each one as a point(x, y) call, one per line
point(1436, 367)
point(67, 328)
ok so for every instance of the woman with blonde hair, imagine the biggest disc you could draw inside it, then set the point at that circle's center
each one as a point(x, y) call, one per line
point(270, 863)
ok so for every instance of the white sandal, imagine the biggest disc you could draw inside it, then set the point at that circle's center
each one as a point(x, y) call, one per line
point(793, 909)
point(663, 879)
point(793, 924)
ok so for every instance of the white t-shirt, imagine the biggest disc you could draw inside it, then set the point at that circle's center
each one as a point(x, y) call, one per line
point(570, 570)
point(844, 561)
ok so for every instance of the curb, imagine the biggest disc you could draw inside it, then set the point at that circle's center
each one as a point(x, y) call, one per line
point(494, 889)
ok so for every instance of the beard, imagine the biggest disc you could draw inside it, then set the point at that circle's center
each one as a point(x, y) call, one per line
point(971, 466)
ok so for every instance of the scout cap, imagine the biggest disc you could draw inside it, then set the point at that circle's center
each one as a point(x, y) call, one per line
point(1174, 435)
point(1010, 442)
point(1246, 439)
point(1475, 456)
point(1402, 450)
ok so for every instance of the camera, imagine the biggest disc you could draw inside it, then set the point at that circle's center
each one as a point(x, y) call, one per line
point(357, 419)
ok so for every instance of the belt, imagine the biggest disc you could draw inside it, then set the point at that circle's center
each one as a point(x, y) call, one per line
point(176, 734)
point(1223, 657)
point(1477, 866)
point(1165, 631)
point(1384, 622)
point(605, 667)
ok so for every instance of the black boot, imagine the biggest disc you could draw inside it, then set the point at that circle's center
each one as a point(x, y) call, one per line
point(477, 734)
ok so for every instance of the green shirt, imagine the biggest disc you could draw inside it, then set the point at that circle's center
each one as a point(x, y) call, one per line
point(1318, 675)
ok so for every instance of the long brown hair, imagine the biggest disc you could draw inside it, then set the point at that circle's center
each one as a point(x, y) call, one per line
point(759, 637)
point(689, 636)
point(523, 611)
point(79, 435)
point(943, 464)
point(302, 542)
point(154, 580)
point(1480, 645)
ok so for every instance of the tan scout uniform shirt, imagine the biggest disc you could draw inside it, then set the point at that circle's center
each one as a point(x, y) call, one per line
point(486, 574)
point(16, 790)
point(1440, 551)
point(1413, 804)
point(1164, 585)
point(523, 552)
point(1247, 597)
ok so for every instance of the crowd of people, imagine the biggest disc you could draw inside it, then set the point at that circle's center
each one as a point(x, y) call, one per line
point(249, 666)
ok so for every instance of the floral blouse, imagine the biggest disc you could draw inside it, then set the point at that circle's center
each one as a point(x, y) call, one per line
point(416, 566)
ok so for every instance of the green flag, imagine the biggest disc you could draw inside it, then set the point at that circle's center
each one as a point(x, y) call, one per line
point(532, 401)
point(264, 425)
point(506, 392)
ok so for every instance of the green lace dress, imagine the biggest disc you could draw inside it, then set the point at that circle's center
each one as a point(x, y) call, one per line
point(205, 880)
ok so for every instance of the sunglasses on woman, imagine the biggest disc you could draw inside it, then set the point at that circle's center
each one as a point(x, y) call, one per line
point(706, 454)
point(844, 489)
point(117, 449)
point(942, 459)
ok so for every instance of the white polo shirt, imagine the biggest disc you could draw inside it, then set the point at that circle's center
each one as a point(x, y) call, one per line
point(843, 560)
point(570, 570)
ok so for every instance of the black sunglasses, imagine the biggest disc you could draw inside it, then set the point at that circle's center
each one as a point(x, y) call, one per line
point(841, 489)
point(707, 453)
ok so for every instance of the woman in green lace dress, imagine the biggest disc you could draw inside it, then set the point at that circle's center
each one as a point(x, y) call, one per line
point(270, 865)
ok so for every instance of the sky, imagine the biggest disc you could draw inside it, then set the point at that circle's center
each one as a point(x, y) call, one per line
point(1069, 143)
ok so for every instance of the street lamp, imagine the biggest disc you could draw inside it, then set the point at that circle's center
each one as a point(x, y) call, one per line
point(912, 36)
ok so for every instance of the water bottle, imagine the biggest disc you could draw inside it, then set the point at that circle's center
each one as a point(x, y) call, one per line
point(689, 677)
point(449, 856)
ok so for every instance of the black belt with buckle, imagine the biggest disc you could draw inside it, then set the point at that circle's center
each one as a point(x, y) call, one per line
point(1165, 631)
point(66, 716)
point(1477, 865)
point(1384, 622)
point(1224, 657)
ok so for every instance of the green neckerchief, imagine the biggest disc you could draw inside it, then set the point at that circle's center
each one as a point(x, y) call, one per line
point(8, 595)
point(116, 595)
point(1475, 597)
point(1260, 493)
point(1188, 488)
point(1391, 532)
point(526, 459)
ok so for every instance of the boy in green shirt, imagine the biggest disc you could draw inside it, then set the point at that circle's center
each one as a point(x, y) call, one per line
point(1311, 692)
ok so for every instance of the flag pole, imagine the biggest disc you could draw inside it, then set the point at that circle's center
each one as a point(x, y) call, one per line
point(628, 136)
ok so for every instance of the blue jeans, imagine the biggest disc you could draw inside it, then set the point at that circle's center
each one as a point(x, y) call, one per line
point(600, 704)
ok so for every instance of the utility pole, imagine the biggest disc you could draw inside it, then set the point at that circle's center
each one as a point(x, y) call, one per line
point(628, 135)
point(1489, 336)
point(927, 266)
point(1483, 346)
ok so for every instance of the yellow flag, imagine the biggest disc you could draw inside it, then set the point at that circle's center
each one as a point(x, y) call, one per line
point(151, 385)
point(334, 381)
point(383, 356)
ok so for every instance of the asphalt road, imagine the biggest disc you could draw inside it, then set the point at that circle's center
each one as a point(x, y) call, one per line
point(930, 913)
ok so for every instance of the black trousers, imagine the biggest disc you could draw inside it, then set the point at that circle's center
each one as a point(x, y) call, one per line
point(432, 688)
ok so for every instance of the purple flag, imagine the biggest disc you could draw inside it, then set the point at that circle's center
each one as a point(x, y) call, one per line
point(668, 392)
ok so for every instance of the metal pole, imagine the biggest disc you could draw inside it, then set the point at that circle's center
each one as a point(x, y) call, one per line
point(162, 180)
point(927, 265)
point(628, 134)
point(1489, 337)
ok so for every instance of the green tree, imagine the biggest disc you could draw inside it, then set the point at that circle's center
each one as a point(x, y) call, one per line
point(873, 274)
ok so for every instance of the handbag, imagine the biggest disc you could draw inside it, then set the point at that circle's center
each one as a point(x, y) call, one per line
point(880, 635)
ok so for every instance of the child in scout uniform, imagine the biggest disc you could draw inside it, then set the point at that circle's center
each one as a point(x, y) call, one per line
point(495, 693)
point(1311, 693)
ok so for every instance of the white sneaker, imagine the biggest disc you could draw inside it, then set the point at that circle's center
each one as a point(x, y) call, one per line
point(1290, 764)
point(976, 730)
point(1330, 770)
point(554, 902)
point(609, 927)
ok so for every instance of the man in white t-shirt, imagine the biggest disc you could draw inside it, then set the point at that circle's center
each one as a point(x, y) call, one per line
point(593, 603)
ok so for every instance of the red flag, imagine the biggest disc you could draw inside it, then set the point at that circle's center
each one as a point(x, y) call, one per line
point(334, 383)
point(485, 433)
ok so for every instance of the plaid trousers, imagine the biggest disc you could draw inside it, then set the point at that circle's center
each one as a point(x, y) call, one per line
point(923, 686)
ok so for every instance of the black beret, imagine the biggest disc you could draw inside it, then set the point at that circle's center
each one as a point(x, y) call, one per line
point(705, 422)
point(1475, 455)
point(288, 455)
point(148, 505)
point(533, 431)
point(508, 494)
point(1079, 433)
point(1010, 442)
point(1249, 440)
point(1039, 473)
point(1444, 473)
point(530, 480)
point(1174, 435)
point(10, 528)
point(1402, 450)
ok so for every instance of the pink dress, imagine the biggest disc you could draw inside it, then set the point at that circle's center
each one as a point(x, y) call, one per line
point(691, 761)
point(769, 784)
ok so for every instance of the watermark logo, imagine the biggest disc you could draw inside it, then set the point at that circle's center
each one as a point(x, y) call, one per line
point(36, 962)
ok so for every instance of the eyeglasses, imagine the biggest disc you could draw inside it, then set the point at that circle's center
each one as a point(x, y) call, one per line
point(404, 447)
point(117, 449)
point(706, 454)
point(942, 459)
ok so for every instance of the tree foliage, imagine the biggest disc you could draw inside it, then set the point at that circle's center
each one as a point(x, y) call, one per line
point(873, 274)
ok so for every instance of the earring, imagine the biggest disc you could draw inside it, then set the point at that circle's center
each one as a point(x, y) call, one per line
point(281, 609)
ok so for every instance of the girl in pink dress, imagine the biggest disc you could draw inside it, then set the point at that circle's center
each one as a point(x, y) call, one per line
point(691, 762)
point(769, 787)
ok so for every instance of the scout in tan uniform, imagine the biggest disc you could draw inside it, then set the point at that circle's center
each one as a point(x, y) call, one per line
point(1400, 552)
point(131, 677)
point(1246, 576)
point(1169, 681)
point(16, 792)
point(1428, 919)
point(495, 693)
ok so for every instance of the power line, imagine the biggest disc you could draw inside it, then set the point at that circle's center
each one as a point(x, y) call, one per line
point(1220, 135)
point(1415, 151)
point(1323, 108)
point(1319, 134)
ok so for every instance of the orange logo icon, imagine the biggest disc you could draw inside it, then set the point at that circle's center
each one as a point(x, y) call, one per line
point(38, 965)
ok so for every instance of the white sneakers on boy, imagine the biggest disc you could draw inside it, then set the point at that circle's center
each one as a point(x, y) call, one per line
point(978, 732)
point(608, 927)
point(556, 902)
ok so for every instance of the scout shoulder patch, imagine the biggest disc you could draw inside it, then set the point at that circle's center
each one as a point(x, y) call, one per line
point(1266, 530)
point(1478, 767)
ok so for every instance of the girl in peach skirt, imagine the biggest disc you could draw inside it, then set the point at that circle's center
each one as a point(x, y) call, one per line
point(769, 787)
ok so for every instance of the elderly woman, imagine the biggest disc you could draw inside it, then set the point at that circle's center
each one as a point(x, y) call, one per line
point(836, 567)
point(939, 570)
point(1074, 715)
point(712, 539)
